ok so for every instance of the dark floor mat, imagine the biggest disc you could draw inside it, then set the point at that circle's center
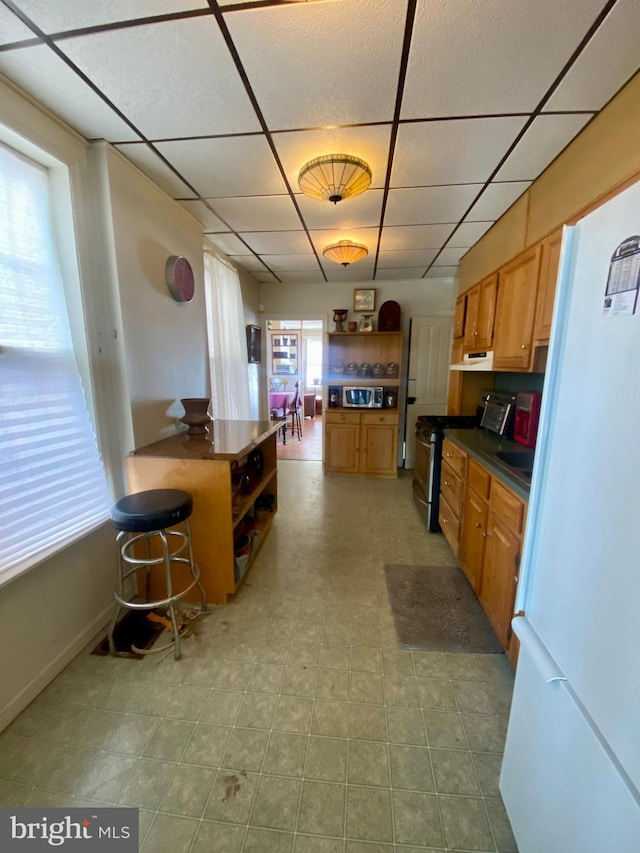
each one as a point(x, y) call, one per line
point(435, 609)
point(134, 629)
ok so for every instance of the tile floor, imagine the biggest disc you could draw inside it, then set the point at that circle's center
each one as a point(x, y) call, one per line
point(293, 724)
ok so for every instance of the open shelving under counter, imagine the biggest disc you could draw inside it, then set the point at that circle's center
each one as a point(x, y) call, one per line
point(231, 473)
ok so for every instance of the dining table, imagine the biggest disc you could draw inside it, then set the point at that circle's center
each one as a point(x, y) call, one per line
point(279, 402)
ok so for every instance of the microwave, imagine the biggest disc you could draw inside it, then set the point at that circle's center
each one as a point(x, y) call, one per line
point(362, 397)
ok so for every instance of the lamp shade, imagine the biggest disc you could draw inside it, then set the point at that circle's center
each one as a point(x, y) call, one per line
point(334, 177)
point(345, 252)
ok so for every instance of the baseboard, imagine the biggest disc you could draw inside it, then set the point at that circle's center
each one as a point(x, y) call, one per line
point(53, 668)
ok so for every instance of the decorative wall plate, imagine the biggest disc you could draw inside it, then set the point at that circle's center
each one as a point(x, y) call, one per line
point(179, 278)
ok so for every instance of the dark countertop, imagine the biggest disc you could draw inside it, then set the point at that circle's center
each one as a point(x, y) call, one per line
point(224, 440)
point(482, 445)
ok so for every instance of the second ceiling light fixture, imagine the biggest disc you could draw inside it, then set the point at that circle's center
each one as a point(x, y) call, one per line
point(334, 177)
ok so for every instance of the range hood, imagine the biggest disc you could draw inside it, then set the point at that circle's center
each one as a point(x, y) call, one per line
point(475, 361)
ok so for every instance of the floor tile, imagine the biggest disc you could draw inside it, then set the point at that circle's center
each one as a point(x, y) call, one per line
point(276, 803)
point(366, 658)
point(411, 768)
point(326, 759)
point(169, 740)
point(367, 722)
point(170, 834)
point(266, 841)
point(366, 688)
point(322, 809)
point(368, 763)
point(454, 772)
point(107, 777)
point(333, 685)
point(146, 784)
point(232, 797)
point(246, 749)
point(188, 791)
point(266, 678)
point(465, 823)
point(488, 766)
point(257, 710)
point(406, 725)
point(369, 814)
point(314, 844)
point(330, 718)
point(293, 714)
point(299, 681)
point(214, 837)
point(285, 754)
point(207, 744)
point(417, 819)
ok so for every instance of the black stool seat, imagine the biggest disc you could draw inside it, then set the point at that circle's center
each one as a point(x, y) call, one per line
point(152, 510)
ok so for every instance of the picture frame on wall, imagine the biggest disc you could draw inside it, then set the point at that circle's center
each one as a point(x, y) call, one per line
point(254, 344)
point(364, 299)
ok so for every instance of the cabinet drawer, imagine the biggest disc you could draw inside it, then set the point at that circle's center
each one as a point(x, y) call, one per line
point(342, 418)
point(479, 479)
point(506, 506)
point(379, 418)
point(450, 525)
point(452, 487)
point(454, 457)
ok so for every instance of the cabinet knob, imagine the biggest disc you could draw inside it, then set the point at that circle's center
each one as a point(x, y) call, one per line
point(445, 521)
point(447, 483)
point(524, 346)
point(478, 524)
point(485, 535)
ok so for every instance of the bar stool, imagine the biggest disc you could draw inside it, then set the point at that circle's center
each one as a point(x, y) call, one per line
point(146, 517)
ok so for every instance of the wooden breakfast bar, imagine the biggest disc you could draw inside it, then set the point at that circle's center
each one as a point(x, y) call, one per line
point(231, 473)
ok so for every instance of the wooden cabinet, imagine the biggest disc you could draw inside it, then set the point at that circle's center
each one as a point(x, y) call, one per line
point(480, 313)
point(549, 263)
point(225, 505)
point(515, 310)
point(361, 443)
point(452, 479)
point(474, 528)
point(459, 316)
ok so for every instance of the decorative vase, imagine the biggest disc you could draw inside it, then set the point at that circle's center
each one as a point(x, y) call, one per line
point(196, 415)
point(339, 316)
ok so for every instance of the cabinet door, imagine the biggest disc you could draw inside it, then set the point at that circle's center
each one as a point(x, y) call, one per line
point(517, 286)
point(549, 263)
point(471, 320)
point(342, 441)
point(379, 448)
point(458, 317)
point(473, 538)
point(486, 312)
point(499, 577)
point(450, 524)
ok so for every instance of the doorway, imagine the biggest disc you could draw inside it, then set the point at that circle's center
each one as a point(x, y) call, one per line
point(295, 355)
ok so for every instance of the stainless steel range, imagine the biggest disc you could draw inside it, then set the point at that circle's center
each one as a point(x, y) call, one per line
point(428, 460)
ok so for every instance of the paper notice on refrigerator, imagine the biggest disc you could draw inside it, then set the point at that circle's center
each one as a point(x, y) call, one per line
point(623, 283)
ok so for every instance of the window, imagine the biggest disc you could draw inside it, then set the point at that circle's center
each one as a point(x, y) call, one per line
point(52, 486)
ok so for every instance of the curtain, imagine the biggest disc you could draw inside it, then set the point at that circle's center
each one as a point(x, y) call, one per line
point(227, 341)
point(52, 485)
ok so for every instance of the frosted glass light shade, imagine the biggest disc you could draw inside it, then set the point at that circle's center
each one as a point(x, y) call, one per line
point(345, 252)
point(334, 177)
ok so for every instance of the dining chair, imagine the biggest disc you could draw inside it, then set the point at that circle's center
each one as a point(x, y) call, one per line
point(294, 410)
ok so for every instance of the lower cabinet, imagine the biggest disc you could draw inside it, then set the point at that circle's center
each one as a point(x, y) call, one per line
point(361, 443)
point(490, 546)
point(452, 480)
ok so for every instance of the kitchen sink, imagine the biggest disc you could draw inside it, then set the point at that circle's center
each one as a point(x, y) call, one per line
point(520, 459)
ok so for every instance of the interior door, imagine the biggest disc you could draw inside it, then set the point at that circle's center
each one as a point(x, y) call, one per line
point(428, 375)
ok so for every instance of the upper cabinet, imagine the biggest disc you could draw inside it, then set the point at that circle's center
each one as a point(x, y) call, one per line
point(481, 305)
point(458, 317)
point(549, 263)
point(515, 311)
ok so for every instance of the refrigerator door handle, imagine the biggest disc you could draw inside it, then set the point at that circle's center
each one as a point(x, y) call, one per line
point(545, 664)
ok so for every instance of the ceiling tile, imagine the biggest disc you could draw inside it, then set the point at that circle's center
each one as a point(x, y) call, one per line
point(174, 78)
point(360, 212)
point(424, 205)
point(449, 257)
point(354, 273)
point(229, 244)
point(442, 272)
point(370, 144)
point(468, 233)
point(608, 61)
point(278, 242)
point(546, 138)
point(403, 274)
point(259, 213)
point(291, 263)
point(265, 277)
point(497, 198)
point(301, 277)
point(148, 161)
point(489, 56)
point(451, 152)
point(50, 80)
point(11, 27)
point(398, 238)
point(249, 262)
point(75, 14)
point(356, 44)
point(210, 221)
point(219, 168)
point(397, 260)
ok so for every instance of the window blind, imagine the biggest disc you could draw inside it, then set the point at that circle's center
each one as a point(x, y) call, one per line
point(52, 485)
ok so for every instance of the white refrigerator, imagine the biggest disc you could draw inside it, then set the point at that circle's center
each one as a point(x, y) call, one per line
point(571, 773)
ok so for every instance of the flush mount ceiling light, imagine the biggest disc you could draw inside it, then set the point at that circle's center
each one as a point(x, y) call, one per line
point(345, 252)
point(333, 177)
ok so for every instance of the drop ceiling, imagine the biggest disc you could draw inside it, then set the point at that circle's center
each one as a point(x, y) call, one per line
point(457, 106)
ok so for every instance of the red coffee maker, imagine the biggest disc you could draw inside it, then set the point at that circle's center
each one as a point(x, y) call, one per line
point(527, 416)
